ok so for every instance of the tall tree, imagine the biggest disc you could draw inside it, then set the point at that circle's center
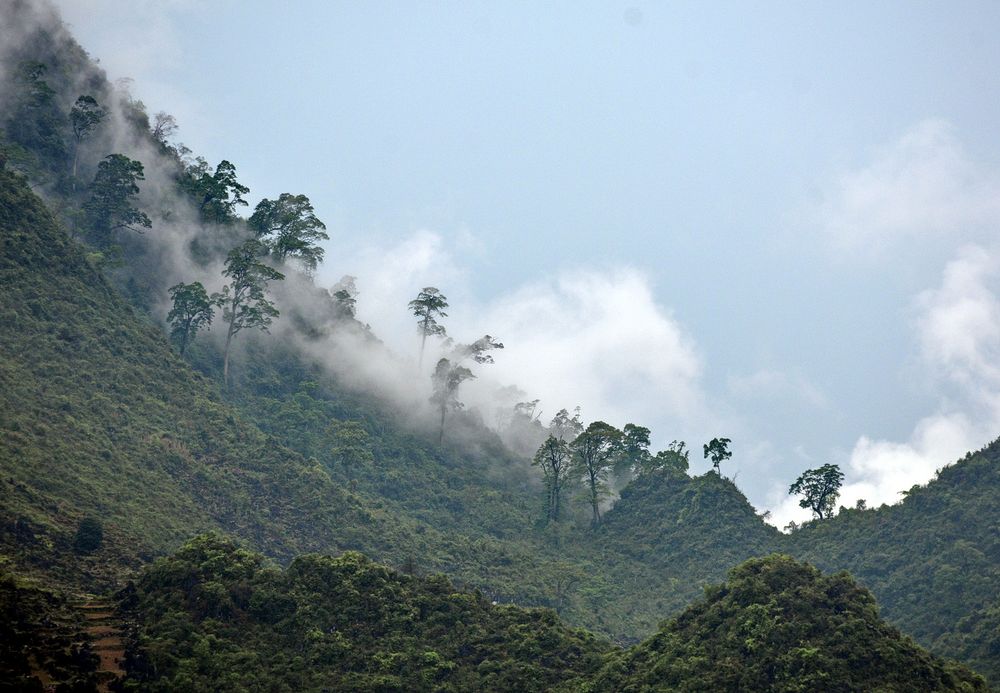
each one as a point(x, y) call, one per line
point(290, 228)
point(633, 453)
point(594, 452)
point(718, 450)
point(111, 198)
point(163, 127)
point(244, 299)
point(427, 307)
point(84, 118)
point(554, 459)
point(217, 193)
point(478, 350)
point(192, 310)
point(819, 489)
point(565, 427)
point(446, 378)
point(345, 293)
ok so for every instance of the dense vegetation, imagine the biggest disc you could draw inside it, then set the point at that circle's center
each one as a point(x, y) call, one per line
point(216, 617)
point(780, 625)
point(114, 449)
point(41, 640)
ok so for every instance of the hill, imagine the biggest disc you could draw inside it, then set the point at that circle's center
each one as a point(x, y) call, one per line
point(780, 625)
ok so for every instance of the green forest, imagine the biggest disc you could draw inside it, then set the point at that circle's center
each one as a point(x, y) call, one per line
point(180, 467)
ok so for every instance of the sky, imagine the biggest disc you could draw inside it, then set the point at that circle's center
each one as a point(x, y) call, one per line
point(775, 222)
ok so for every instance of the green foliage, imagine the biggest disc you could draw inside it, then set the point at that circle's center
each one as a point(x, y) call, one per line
point(110, 207)
point(216, 194)
point(718, 450)
point(554, 459)
point(217, 617)
point(41, 641)
point(446, 379)
point(780, 625)
point(819, 489)
point(427, 307)
point(594, 452)
point(191, 311)
point(244, 301)
point(289, 227)
point(89, 535)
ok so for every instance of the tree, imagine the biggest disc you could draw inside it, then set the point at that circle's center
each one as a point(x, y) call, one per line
point(565, 427)
point(192, 310)
point(554, 459)
point(84, 117)
point(675, 457)
point(290, 228)
point(594, 451)
point(111, 195)
point(445, 380)
point(216, 193)
point(163, 128)
point(718, 450)
point(345, 294)
point(89, 535)
point(244, 300)
point(430, 302)
point(351, 448)
point(633, 453)
point(819, 489)
point(477, 350)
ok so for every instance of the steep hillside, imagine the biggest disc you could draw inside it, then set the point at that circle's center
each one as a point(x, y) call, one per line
point(99, 418)
point(780, 625)
point(933, 561)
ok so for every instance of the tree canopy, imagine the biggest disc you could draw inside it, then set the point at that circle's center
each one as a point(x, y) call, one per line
point(427, 307)
point(112, 196)
point(819, 489)
point(289, 227)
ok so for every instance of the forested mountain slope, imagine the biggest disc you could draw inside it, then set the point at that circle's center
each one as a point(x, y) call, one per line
point(933, 561)
point(780, 625)
point(115, 450)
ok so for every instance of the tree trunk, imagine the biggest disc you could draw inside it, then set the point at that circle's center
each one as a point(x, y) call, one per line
point(225, 357)
point(423, 342)
point(441, 429)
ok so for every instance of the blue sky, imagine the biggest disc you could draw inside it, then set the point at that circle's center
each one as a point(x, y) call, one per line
point(775, 222)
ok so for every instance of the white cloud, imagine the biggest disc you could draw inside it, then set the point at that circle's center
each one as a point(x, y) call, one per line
point(599, 340)
point(924, 191)
point(958, 328)
point(923, 186)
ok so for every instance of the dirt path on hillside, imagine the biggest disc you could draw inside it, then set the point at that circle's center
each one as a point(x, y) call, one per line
point(105, 631)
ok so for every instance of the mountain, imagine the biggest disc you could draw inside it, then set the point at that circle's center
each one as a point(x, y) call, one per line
point(115, 450)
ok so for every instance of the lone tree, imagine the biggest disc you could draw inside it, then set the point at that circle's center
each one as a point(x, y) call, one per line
point(84, 117)
point(446, 378)
point(289, 227)
point(244, 300)
point(429, 304)
point(819, 489)
point(594, 452)
point(192, 310)
point(718, 450)
point(111, 196)
point(554, 459)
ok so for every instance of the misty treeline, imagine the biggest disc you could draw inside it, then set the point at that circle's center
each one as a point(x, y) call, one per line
point(172, 227)
point(178, 234)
